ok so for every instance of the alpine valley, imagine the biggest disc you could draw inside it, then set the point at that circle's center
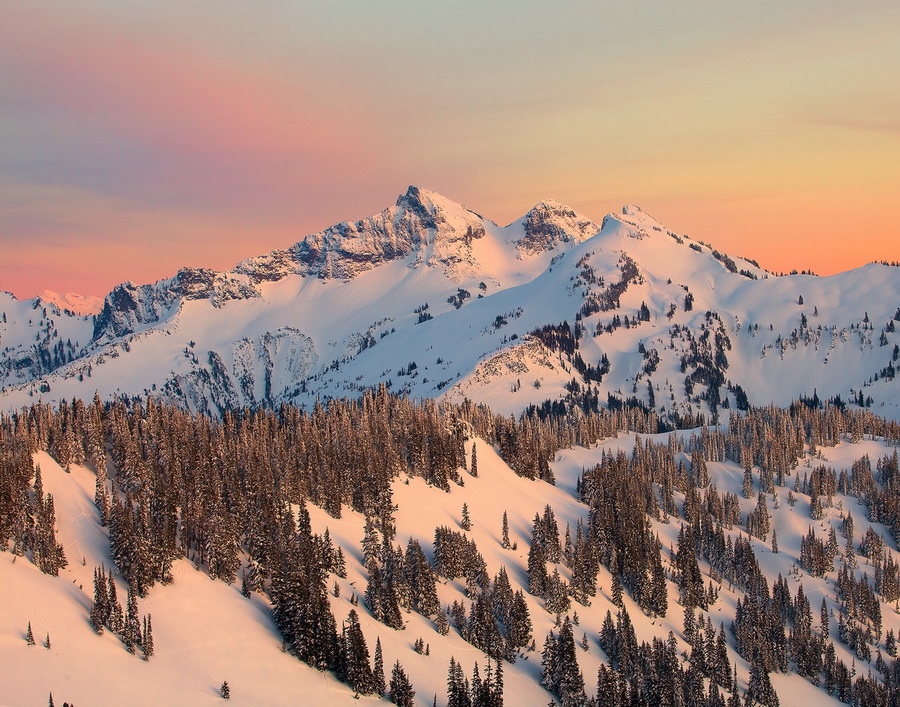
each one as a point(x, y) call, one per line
point(426, 458)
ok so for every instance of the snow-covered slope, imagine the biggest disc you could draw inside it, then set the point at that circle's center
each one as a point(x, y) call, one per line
point(432, 299)
point(206, 632)
point(37, 337)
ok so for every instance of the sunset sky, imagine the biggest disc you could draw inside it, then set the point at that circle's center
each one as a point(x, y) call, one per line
point(137, 137)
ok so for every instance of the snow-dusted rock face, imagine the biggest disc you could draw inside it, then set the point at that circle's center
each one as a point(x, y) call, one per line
point(127, 307)
point(252, 372)
point(130, 308)
point(549, 224)
point(433, 229)
point(218, 287)
point(270, 267)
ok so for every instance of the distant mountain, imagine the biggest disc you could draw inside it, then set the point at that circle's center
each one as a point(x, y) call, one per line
point(431, 299)
point(74, 302)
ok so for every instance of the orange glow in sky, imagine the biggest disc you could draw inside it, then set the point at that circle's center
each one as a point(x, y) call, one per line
point(139, 137)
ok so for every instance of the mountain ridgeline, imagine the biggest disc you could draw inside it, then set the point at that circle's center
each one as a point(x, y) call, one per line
point(429, 298)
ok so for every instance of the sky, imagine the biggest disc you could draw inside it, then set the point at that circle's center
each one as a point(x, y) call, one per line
point(138, 137)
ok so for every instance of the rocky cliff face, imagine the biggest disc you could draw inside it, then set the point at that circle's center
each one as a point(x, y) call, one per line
point(550, 224)
point(255, 371)
point(270, 267)
point(129, 307)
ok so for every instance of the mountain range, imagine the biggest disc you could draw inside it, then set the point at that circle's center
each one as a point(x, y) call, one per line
point(429, 299)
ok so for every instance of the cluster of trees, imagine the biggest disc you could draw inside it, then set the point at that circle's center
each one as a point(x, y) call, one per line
point(565, 339)
point(480, 692)
point(558, 337)
point(27, 515)
point(654, 673)
point(817, 557)
point(498, 621)
point(38, 527)
point(608, 298)
point(106, 612)
point(455, 555)
point(47, 356)
point(706, 355)
point(397, 579)
point(560, 672)
point(620, 493)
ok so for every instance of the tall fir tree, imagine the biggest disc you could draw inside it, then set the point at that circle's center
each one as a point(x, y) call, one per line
point(116, 618)
point(457, 686)
point(401, 690)
point(100, 605)
point(132, 631)
point(147, 641)
point(504, 533)
point(354, 666)
point(379, 682)
point(760, 690)
point(561, 674)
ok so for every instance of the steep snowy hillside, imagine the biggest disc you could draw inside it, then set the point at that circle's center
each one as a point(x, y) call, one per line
point(204, 632)
point(431, 299)
point(486, 532)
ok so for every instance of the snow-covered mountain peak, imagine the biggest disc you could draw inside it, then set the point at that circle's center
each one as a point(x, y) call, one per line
point(423, 225)
point(636, 220)
point(428, 204)
point(74, 302)
point(304, 321)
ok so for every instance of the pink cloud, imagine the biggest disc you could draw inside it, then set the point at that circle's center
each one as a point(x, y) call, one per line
point(210, 124)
